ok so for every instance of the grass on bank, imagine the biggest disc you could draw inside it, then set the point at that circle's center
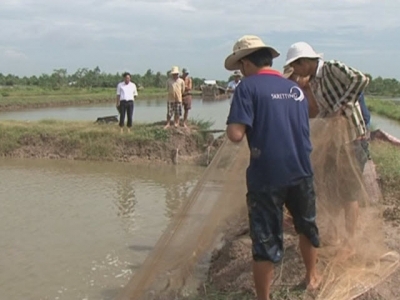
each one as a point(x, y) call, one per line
point(92, 140)
point(387, 160)
point(387, 108)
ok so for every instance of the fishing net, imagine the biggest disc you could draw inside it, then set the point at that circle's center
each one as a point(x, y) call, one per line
point(179, 261)
point(347, 270)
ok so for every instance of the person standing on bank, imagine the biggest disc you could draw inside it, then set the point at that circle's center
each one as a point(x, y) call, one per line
point(335, 88)
point(187, 95)
point(176, 88)
point(234, 83)
point(272, 112)
point(126, 93)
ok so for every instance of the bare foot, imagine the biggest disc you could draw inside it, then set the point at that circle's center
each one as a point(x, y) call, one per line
point(313, 284)
point(167, 126)
point(176, 125)
point(122, 130)
point(129, 130)
point(345, 252)
point(184, 125)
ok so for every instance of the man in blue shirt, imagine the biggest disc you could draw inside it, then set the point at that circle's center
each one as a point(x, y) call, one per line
point(364, 110)
point(272, 112)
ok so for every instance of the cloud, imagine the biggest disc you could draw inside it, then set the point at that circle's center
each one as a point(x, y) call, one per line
point(12, 54)
point(199, 34)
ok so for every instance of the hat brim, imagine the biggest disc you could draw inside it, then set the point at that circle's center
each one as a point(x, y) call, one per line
point(232, 61)
point(293, 59)
point(174, 73)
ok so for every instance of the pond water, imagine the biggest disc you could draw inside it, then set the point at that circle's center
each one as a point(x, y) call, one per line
point(78, 230)
point(145, 111)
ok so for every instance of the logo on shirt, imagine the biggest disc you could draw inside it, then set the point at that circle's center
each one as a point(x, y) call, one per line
point(295, 93)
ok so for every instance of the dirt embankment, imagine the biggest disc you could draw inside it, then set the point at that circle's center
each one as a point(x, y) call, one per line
point(147, 143)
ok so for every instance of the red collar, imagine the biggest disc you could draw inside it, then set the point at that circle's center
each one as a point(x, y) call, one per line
point(270, 72)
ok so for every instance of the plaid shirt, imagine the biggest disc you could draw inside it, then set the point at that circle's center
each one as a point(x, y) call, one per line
point(337, 86)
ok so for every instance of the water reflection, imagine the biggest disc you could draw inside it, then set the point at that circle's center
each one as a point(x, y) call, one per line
point(95, 221)
point(126, 201)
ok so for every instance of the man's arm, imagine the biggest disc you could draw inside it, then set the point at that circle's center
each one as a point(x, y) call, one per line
point(135, 92)
point(183, 87)
point(230, 88)
point(241, 114)
point(236, 132)
point(313, 109)
point(353, 80)
point(304, 84)
point(118, 98)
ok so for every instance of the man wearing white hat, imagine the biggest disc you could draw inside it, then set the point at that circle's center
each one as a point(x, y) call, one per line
point(176, 88)
point(335, 88)
point(234, 83)
point(272, 113)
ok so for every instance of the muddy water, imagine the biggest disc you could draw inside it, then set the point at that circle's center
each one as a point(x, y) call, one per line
point(145, 111)
point(390, 126)
point(74, 230)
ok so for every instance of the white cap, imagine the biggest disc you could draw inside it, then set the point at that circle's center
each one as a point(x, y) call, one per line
point(300, 50)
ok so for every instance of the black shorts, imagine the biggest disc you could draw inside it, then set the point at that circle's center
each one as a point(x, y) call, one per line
point(265, 210)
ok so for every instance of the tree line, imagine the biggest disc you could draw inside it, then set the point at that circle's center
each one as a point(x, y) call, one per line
point(87, 78)
point(95, 78)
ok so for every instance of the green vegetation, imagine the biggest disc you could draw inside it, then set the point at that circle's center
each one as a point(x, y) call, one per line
point(84, 86)
point(387, 160)
point(387, 108)
point(92, 141)
point(389, 87)
point(86, 78)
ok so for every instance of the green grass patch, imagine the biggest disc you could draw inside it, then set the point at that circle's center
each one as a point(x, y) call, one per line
point(387, 160)
point(202, 124)
point(88, 140)
point(387, 108)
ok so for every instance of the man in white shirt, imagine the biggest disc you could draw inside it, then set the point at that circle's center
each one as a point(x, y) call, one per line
point(126, 93)
point(234, 83)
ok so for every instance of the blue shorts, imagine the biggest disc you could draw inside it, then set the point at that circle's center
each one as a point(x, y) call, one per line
point(265, 210)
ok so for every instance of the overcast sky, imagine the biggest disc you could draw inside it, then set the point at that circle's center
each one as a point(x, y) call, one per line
point(38, 36)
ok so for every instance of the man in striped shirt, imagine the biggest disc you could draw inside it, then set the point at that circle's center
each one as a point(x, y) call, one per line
point(332, 89)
